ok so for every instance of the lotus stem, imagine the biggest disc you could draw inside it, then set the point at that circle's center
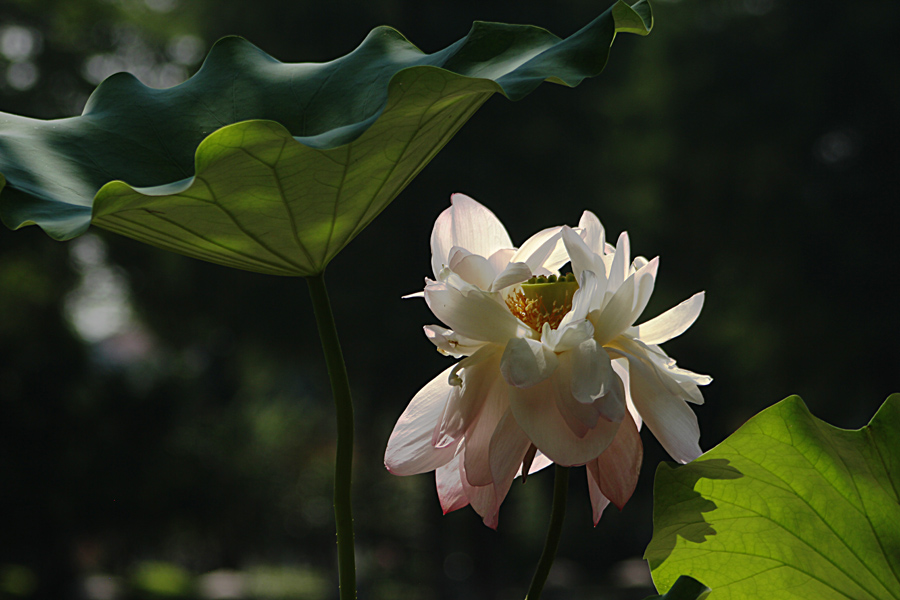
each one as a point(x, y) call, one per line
point(557, 515)
point(343, 465)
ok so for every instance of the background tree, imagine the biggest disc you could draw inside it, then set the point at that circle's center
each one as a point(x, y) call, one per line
point(750, 143)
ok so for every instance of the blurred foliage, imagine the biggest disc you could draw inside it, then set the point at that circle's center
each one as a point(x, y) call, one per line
point(750, 143)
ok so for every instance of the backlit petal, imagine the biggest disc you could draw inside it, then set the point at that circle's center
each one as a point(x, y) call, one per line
point(451, 343)
point(618, 271)
point(661, 402)
point(543, 252)
point(628, 301)
point(409, 449)
point(469, 225)
point(592, 232)
point(514, 273)
point(526, 362)
point(616, 470)
point(583, 259)
point(598, 501)
point(536, 412)
point(671, 323)
point(474, 314)
point(508, 447)
point(477, 375)
point(472, 268)
point(449, 486)
point(478, 434)
point(620, 366)
point(482, 498)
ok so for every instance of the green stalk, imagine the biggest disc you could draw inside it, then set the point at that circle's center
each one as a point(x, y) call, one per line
point(343, 464)
point(557, 515)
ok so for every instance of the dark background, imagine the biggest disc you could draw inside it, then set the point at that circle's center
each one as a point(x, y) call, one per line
point(187, 454)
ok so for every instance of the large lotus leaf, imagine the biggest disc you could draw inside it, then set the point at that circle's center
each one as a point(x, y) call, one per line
point(786, 507)
point(274, 167)
point(684, 588)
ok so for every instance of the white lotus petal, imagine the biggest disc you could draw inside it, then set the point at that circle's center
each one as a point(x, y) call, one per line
point(451, 343)
point(539, 463)
point(482, 498)
point(671, 323)
point(620, 366)
point(478, 435)
point(568, 337)
point(618, 271)
point(476, 376)
point(508, 447)
point(625, 304)
point(644, 279)
point(449, 486)
point(472, 268)
point(409, 449)
point(474, 314)
point(660, 400)
point(616, 470)
point(536, 412)
point(526, 362)
point(583, 259)
point(514, 273)
point(599, 502)
point(469, 225)
point(543, 252)
point(592, 232)
point(501, 258)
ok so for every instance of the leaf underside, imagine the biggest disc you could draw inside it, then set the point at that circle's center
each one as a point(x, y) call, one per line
point(786, 507)
point(274, 167)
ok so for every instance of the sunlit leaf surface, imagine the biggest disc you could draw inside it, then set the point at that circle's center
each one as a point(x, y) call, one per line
point(786, 507)
point(273, 167)
point(685, 588)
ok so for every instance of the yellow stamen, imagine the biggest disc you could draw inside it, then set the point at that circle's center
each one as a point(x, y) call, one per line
point(541, 300)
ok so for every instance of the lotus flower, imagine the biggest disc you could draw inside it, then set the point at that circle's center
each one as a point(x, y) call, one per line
point(537, 383)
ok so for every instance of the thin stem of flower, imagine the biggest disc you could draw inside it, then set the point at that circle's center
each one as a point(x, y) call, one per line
point(557, 515)
point(343, 465)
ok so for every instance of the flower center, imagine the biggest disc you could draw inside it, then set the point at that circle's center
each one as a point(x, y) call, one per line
point(543, 300)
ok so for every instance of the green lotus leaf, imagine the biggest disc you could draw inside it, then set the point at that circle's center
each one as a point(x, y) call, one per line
point(273, 167)
point(786, 507)
point(684, 588)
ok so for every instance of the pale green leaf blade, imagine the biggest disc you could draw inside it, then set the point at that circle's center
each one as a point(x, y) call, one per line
point(684, 588)
point(786, 507)
point(362, 126)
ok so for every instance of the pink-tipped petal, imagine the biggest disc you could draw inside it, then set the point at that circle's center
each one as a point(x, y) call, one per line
point(599, 502)
point(479, 433)
point(616, 470)
point(482, 498)
point(536, 412)
point(508, 447)
point(449, 486)
point(409, 449)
